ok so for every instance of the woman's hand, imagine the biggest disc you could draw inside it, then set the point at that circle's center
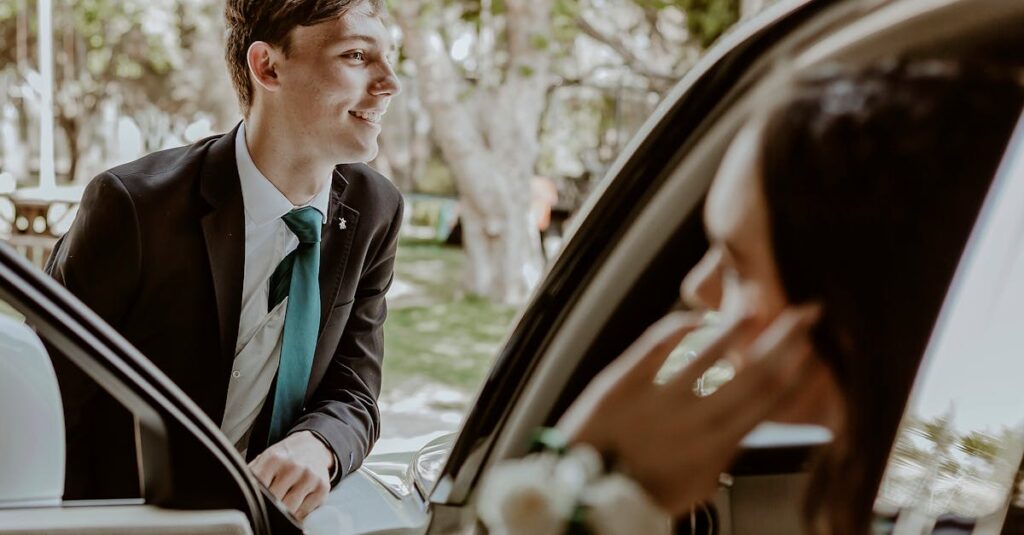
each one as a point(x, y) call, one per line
point(670, 440)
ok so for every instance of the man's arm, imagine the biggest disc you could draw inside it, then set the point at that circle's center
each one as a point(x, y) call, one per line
point(343, 411)
point(98, 261)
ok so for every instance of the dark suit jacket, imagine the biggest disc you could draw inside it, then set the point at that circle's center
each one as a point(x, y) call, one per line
point(157, 250)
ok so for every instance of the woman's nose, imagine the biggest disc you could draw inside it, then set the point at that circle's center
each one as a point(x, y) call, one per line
point(702, 287)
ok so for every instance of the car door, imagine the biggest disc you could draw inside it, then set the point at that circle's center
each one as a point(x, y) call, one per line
point(641, 232)
point(216, 494)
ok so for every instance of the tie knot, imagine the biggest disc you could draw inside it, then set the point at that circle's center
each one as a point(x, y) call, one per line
point(305, 224)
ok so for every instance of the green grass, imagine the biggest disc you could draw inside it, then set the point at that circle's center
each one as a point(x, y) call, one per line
point(436, 333)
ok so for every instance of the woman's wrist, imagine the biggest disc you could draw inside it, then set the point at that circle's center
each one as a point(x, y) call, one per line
point(566, 489)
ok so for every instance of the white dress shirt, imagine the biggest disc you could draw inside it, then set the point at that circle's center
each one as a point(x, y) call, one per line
point(267, 241)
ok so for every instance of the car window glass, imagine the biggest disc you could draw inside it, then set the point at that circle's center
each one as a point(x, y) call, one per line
point(958, 449)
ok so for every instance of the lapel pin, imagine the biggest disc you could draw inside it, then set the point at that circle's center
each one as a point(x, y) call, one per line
point(342, 224)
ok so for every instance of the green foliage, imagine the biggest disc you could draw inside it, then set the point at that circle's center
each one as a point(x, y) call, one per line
point(539, 42)
point(980, 445)
point(707, 20)
point(949, 467)
point(564, 27)
point(124, 40)
point(938, 431)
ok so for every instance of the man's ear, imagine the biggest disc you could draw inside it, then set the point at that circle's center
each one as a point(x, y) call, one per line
point(263, 62)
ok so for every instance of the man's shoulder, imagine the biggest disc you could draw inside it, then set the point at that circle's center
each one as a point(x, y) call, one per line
point(371, 186)
point(164, 168)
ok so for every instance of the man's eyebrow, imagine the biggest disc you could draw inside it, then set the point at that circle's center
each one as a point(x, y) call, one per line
point(368, 39)
point(356, 37)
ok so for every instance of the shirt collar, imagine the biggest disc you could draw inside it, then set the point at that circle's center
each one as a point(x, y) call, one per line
point(263, 201)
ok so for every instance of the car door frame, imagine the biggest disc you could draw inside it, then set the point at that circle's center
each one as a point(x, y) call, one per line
point(168, 423)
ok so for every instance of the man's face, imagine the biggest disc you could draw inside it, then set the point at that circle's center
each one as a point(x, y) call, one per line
point(335, 84)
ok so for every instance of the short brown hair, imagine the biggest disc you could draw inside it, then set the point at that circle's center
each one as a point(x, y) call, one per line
point(272, 21)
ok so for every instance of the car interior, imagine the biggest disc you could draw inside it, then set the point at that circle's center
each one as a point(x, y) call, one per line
point(638, 282)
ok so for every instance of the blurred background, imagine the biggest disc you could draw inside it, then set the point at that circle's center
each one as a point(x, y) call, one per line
point(511, 112)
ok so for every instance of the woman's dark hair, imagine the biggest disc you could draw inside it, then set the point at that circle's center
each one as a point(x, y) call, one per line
point(873, 180)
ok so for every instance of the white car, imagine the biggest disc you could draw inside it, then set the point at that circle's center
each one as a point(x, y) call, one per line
point(619, 270)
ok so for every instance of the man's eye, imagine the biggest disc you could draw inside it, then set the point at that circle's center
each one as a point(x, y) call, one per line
point(358, 56)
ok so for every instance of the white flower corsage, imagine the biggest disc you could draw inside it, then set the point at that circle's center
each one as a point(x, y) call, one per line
point(565, 491)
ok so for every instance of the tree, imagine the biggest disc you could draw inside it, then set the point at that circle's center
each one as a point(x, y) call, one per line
point(487, 132)
point(485, 70)
point(151, 59)
point(980, 445)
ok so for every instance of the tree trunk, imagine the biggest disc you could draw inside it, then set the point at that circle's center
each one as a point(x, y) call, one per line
point(492, 158)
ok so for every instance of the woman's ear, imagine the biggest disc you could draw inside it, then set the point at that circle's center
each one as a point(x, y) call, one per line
point(817, 400)
point(263, 61)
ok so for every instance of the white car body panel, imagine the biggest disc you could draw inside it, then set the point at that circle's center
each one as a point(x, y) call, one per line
point(32, 420)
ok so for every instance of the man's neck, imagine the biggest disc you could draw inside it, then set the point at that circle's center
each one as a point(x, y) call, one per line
point(295, 173)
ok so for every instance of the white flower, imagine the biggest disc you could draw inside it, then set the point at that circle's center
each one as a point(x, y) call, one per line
point(578, 467)
point(521, 497)
point(618, 506)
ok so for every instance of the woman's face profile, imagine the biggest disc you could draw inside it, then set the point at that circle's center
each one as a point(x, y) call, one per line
point(738, 275)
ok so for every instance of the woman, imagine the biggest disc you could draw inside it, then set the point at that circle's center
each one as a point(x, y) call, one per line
point(836, 222)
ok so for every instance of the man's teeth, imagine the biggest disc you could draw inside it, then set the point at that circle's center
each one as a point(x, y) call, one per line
point(371, 116)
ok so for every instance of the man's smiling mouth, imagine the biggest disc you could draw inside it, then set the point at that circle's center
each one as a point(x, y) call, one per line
point(368, 116)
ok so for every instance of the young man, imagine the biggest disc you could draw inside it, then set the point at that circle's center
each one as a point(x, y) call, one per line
point(251, 267)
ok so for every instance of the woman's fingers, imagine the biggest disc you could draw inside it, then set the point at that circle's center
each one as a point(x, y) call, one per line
point(707, 357)
point(778, 358)
point(642, 360)
point(624, 380)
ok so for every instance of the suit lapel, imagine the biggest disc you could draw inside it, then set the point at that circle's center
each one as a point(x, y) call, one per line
point(335, 245)
point(224, 232)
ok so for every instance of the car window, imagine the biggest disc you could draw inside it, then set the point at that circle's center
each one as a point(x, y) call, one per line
point(957, 452)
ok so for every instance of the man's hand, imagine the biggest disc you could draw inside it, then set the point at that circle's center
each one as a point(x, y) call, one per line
point(297, 471)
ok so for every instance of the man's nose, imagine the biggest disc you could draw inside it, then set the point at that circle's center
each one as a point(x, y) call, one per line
point(387, 85)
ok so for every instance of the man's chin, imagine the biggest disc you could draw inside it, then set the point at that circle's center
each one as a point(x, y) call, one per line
point(354, 157)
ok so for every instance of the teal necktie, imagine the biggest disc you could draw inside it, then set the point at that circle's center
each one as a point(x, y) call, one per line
point(296, 277)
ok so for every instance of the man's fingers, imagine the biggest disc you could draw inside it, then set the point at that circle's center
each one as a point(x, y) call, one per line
point(305, 485)
point(264, 466)
point(287, 475)
point(707, 357)
point(313, 500)
point(641, 362)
